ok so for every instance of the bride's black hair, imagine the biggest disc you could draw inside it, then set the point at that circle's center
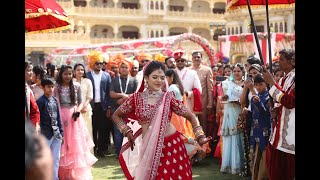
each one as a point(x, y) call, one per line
point(152, 66)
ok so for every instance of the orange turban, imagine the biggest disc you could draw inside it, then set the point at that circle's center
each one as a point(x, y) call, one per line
point(115, 60)
point(160, 57)
point(93, 57)
point(141, 56)
point(126, 61)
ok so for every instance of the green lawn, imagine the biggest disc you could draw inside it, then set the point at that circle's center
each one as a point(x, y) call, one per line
point(207, 169)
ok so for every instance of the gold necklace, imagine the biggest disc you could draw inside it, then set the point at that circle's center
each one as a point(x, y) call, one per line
point(153, 94)
point(238, 82)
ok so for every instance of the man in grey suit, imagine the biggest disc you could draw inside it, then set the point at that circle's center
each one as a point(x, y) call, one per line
point(101, 105)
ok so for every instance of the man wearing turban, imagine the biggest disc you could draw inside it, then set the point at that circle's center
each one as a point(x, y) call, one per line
point(114, 63)
point(101, 103)
point(143, 59)
point(121, 87)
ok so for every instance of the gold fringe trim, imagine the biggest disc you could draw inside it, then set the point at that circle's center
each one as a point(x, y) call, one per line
point(61, 17)
point(50, 30)
point(230, 7)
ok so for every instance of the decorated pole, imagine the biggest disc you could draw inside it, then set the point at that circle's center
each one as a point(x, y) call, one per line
point(269, 38)
point(255, 32)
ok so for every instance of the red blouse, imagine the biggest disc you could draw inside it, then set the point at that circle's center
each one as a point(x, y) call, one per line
point(136, 107)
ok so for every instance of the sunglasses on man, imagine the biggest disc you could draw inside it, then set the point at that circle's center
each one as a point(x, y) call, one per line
point(180, 60)
point(98, 63)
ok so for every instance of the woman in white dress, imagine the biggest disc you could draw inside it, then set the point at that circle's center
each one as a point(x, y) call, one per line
point(86, 93)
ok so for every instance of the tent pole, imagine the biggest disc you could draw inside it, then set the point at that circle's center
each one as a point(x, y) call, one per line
point(255, 33)
point(269, 41)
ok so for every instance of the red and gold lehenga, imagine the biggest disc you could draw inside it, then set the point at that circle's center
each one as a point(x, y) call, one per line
point(154, 156)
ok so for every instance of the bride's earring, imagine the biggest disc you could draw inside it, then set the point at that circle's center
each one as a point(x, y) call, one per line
point(145, 84)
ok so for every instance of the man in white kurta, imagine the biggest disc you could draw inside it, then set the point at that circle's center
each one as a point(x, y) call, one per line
point(280, 154)
point(189, 79)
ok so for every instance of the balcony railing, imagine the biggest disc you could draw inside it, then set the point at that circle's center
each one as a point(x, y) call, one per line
point(107, 12)
point(194, 15)
point(56, 39)
point(67, 6)
point(61, 39)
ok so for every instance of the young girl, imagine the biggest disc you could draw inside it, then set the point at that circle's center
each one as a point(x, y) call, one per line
point(75, 157)
point(278, 74)
point(38, 75)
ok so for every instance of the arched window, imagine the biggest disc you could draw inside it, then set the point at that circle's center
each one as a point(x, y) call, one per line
point(157, 5)
point(161, 5)
point(105, 33)
point(161, 34)
point(240, 29)
point(275, 27)
point(228, 31)
point(219, 8)
point(281, 27)
point(151, 4)
point(285, 27)
point(157, 33)
point(152, 35)
point(232, 30)
point(236, 30)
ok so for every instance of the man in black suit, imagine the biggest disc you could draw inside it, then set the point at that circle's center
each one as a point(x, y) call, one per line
point(101, 103)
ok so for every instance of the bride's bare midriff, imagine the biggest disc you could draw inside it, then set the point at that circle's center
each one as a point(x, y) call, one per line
point(170, 129)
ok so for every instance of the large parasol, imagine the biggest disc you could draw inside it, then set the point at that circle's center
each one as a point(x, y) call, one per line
point(45, 16)
point(236, 4)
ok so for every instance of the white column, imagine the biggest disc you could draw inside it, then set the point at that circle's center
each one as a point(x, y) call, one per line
point(115, 3)
point(245, 26)
point(143, 31)
point(211, 6)
point(165, 4)
point(166, 30)
point(290, 23)
point(190, 29)
point(88, 29)
point(144, 5)
point(116, 30)
point(149, 33)
point(189, 5)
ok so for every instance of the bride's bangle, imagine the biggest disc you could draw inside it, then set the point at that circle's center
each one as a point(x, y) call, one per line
point(198, 132)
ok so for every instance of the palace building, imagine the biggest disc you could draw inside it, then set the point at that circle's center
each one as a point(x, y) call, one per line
point(105, 21)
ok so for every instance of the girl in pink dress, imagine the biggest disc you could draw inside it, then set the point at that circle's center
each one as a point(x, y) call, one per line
point(75, 157)
point(152, 148)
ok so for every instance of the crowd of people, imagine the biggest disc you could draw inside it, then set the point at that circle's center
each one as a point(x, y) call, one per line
point(164, 115)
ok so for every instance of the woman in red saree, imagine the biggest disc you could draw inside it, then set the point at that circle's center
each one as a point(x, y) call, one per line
point(152, 148)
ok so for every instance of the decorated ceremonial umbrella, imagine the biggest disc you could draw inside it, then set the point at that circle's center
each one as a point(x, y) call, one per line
point(236, 4)
point(45, 16)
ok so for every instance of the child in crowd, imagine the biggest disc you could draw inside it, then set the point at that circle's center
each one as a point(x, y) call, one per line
point(75, 156)
point(50, 122)
point(278, 74)
point(260, 128)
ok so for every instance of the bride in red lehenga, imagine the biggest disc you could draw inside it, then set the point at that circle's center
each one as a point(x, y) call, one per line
point(152, 148)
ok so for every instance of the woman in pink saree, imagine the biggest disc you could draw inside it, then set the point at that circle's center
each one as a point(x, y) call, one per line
point(152, 148)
